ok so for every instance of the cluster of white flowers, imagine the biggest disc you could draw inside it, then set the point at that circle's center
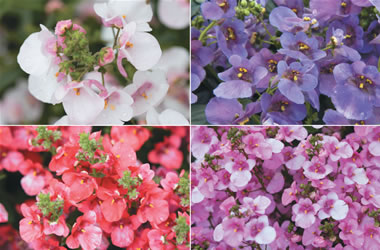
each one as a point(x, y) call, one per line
point(95, 98)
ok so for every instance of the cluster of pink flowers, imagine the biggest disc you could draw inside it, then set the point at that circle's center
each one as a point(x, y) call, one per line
point(95, 191)
point(285, 187)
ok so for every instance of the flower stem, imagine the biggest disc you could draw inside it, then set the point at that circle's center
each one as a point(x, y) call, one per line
point(116, 37)
point(204, 32)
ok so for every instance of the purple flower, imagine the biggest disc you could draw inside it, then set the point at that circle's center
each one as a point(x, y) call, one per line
point(295, 79)
point(229, 111)
point(351, 33)
point(259, 230)
point(326, 9)
point(296, 6)
point(237, 79)
point(278, 109)
point(300, 47)
point(286, 20)
point(304, 213)
point(289, 194)
point(333, 117)
point(232, 38)
point(357, 90)
point(217, 9)
point(265, 67)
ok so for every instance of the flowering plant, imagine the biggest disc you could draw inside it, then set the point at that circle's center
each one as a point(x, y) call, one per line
point(285, 188)
point(128, 78)
point(93, 190)
point(285, 62)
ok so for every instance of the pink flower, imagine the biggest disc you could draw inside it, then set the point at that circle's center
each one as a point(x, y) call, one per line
point(259, 231)
point(290, 133)
point(233, 231)
point(30, 226)
point(85, 233)
point(332, 206)
point(304, 212)
point(3, 214)
point(316, 170)
point(108, 57)
point(240, 170)
point(256, 144)
point(289, 194)
point(337, 149)
point(255, 206)
point(353, 174)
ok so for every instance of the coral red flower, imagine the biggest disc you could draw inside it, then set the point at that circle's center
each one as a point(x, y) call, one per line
point(153, 207)
point(81, 185)
point(35, 177)
point(167, 153)
point(125, 157)
point(133, 136)
point(158, 241)
point(113, 205)
point(12, 160)
point(30, 226)
point(85, 233)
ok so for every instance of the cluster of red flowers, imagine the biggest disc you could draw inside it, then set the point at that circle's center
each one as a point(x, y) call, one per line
point(95, 190)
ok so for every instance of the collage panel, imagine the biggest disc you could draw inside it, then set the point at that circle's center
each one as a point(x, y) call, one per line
point(285, 62)
point(82, 187)
point(94, 62)
point(285, 187)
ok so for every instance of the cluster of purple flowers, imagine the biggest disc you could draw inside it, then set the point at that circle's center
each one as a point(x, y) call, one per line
point(263, 187)
point(287, 61)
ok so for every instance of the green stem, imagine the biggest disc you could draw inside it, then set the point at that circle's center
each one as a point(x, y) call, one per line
point(103, 79)
point(115, 38)
point(204, 32)
point(264, 41)
point(266, 29)
point(378, 65)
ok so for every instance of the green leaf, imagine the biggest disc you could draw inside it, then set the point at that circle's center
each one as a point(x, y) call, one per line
point(198, 116)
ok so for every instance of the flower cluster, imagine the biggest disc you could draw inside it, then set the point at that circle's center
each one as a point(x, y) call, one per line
point(285, 188)
point(95, 191)
point(63, 68)
point(286, 61)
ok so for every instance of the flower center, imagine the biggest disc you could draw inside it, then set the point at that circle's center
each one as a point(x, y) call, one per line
point(302, 46)
point(272, 65)
point(230, 34)
point(242, 71)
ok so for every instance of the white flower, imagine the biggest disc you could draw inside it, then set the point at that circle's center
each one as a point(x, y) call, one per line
point(174, 13)
point(37, 57)
point(121, 12)
point(167, 117)
point(140, 48)
point(147, 90)
point(117, 108)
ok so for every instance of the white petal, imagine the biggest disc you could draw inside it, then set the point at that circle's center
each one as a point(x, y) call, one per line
point(340, 210)
point(43, 87)
point(118, 109)
point(172, 117)
point(83, 108)
point(134, 11)
point(266, 236)
point(152, 96)
point(218, 233)
point(174, 14)
point(145, 52)
point(277, 145)
point(32, 58)
point(196, 195)
point(152, 117)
